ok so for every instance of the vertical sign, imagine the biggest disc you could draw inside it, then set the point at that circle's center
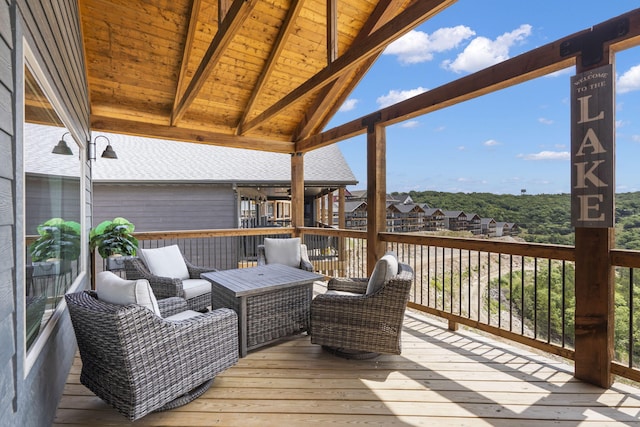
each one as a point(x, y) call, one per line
point(592, 148)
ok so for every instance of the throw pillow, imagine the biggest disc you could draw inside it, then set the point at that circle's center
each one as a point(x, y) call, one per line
point(165, 262)
point(283, 251)
point(116, 290)
point(385, 269)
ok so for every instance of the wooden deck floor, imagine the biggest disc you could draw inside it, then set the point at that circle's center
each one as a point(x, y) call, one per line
point(442, 378)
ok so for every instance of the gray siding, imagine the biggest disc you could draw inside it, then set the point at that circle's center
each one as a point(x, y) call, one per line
point(52, 30)
point(165, 207)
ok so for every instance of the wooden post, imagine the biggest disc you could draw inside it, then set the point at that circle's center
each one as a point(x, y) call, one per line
point(297, 192)
point(342, 224)
point(330, 208)
point(376, 189)
point(594, 275)
point(323, 210)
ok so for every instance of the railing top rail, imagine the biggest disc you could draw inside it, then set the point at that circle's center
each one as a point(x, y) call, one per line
point(223, 232)
point(561, 252)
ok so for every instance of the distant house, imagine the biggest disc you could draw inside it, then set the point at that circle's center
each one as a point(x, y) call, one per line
point(165, 185)
point(455, 220)
point(506, 229)
point(488, 227)
point(433, 219)
point(474, 223)
point(355, 213)
point(403, 217)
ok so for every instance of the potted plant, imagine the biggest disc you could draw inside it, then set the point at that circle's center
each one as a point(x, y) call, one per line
point(114, 241)
point(57, 246)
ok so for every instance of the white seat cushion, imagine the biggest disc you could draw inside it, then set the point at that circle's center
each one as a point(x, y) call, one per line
point(165, 262)
point(385, 269)
point(116, 290)
point(195, 287)
point(183, 315)
point(283, 251)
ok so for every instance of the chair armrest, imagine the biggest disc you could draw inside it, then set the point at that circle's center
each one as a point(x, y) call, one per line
point(305, 263)
point(261, 257)
point(355, 285)
point(196, 271)
point(170, 306)
point(163, 287)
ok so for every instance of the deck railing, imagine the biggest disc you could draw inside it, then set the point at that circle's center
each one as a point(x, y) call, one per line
point(523, 292)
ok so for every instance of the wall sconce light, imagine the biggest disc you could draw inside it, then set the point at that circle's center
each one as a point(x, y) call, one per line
point(108, 152)
point(62, 147)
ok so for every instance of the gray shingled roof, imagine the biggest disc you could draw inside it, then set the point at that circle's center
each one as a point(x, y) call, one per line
point(153, 160)
point(158, 160)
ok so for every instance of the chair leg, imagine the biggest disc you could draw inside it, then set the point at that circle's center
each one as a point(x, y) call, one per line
point(350, 354)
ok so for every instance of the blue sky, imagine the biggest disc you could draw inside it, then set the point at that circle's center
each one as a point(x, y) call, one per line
point(518, 138)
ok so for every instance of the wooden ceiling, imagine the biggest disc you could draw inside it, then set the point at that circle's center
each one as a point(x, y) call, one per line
point(257, 74)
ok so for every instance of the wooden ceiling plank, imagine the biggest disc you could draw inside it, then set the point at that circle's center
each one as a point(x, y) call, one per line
point(408, 19)
point(283, 34)
point(334, 95)
point(232, 22)
point(186, 53)
point(150, 130)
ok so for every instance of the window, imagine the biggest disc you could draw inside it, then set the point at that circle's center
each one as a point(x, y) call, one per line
point(53, 211)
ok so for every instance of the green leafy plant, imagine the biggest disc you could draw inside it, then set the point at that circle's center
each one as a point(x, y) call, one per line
point(59, 240)
point(114, 238)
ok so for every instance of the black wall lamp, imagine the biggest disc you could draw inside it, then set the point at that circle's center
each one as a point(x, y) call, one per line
point(62, 147)
point(108, 153)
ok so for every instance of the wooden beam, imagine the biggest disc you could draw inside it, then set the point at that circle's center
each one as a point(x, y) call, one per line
point(332, 31)
point(535, 63)
point(130, 127)
point(278, 46)
point(186, 53)
point(233, 21)
point(335, 94)
point(330, 208)
point(223, 9)
point(411, 17)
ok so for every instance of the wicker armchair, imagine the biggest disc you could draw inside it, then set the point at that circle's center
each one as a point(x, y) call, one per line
point(353, 324)
point(138, 362)
point(195, 290)
point(283, 253)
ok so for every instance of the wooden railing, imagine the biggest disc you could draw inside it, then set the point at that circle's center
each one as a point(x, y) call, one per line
point(523, 292)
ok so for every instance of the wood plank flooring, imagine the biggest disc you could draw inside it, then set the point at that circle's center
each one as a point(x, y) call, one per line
point(442, 378)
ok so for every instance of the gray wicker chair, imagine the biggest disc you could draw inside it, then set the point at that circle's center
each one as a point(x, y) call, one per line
point(138, 362)
point(304, 264)
point(354, 325)
point(165, 287)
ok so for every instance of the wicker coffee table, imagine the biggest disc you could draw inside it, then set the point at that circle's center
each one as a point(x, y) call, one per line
point(272, 301)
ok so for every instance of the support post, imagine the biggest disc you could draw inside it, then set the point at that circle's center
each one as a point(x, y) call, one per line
point(342, 224)
point(594, 275)
point(376, 189)
point(330, 208)
point(297, 192)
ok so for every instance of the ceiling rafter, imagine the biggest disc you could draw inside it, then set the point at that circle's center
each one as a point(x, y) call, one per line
point(278, 46)
point(332, 31)
point(231, 23)
point(325, 105)
point(188, 47)
point(198, 136)
point(412, 16)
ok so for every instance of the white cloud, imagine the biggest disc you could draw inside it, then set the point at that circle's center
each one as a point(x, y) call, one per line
point(490, 143)
point(546, 155)
point(462, 148)
point(635, 138)
point(395, 96)
point(410, 124)
point(483, 52)
point(348, 105)
point(417, 46)
point(545, 121)
point(629, 81)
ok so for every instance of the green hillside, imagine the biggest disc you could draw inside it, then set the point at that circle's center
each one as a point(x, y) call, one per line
point(543, 218)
